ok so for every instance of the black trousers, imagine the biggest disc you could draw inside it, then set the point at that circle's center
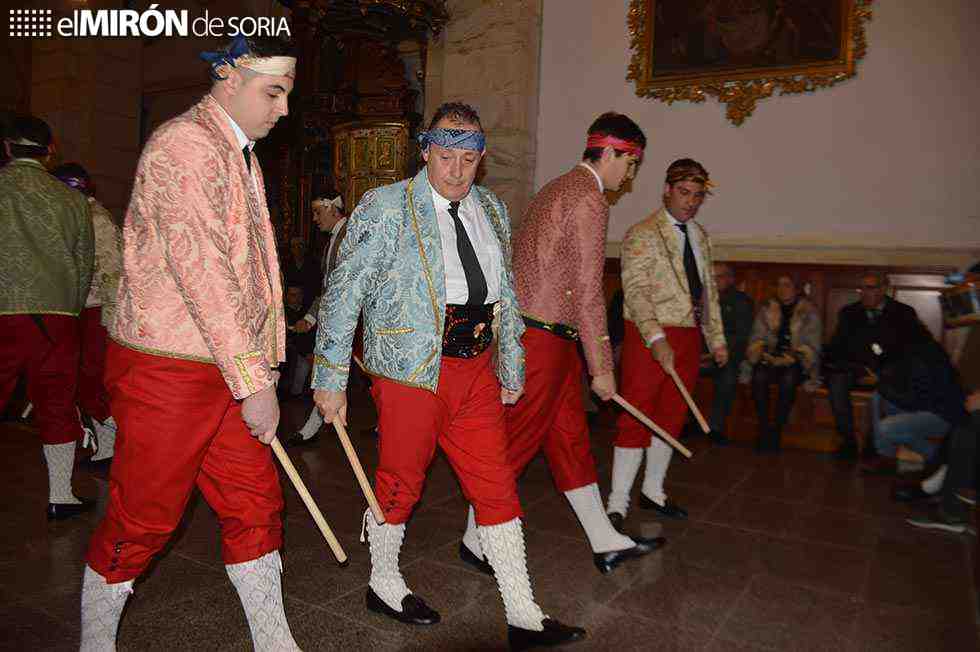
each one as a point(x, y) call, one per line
point(787, 379)
point(726, 387)
point(962, 470)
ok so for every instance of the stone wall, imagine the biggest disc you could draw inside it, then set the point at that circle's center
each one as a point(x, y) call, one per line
point(88, 90)
point(488, 56)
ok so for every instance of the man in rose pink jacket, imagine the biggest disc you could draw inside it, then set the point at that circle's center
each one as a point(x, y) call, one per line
point(198, 332)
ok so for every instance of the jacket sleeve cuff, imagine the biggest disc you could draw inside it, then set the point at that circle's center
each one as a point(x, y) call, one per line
point(328, 375)
point(247, 373)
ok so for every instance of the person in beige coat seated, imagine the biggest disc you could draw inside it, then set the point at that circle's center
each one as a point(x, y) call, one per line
point(784, 349)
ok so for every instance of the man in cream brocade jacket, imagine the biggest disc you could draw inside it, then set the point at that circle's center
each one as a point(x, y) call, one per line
point(175, 274)
point(654, 284)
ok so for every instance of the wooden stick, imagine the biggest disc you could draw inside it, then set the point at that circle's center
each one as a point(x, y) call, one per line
point(690, 401)
point(645, 420)
point(355, 464)
point(304, 493)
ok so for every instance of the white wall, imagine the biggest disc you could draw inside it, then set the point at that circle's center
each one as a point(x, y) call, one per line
point(889, 158)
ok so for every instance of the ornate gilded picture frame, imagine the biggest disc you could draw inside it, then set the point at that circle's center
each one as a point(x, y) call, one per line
point(741, 51)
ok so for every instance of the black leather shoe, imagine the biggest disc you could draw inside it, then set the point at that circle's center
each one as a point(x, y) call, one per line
point(607, 561)
point(480, 564)
point(554, 633)
point(910, 493)
point(97, 466)
point(668, 509)
point(61, 511)
point(846, 452)
point(617, 519)
point(414, 610)
point(296, 439)
point(718, 439)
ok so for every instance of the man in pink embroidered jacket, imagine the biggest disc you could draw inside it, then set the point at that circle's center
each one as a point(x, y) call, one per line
point(198, 332)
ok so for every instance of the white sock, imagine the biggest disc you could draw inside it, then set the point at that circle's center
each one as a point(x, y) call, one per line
point(60, 459)
point(386, 544)
point(259, 586)
point(504, 547)
point(626, 463)
point(105, 431)
point(658, 457)
point(934, 483)
point(471, 539)
point(102, 607)
point(587, 505)
point(312, 425)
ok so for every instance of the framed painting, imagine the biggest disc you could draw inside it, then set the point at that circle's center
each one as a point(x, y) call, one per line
point(741, 51)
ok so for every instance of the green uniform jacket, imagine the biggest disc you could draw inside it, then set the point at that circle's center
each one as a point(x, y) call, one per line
point(47, 245)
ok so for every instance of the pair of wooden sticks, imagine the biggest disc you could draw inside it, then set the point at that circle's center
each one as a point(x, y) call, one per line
point(645, 420)
point(365, 485)
point(304, 493)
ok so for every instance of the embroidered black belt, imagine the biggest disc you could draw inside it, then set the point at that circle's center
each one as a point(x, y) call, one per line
point(561, 330)
point(467, 331)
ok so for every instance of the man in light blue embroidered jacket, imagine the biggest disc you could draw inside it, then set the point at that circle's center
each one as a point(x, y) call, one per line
point(427, 260)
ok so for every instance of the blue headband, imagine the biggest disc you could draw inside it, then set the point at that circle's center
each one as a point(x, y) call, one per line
point(239, 47)
point(454, 139)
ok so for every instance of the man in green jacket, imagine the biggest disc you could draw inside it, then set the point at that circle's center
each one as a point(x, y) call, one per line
point(47, 249)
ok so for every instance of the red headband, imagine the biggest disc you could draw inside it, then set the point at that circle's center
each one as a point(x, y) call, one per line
point(600, 141)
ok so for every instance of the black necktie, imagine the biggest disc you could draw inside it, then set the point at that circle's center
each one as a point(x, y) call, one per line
point(691, 267)
point(476, 282)
point(248, 159)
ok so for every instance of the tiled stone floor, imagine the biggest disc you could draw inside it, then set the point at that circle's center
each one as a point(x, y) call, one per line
point(793, 552)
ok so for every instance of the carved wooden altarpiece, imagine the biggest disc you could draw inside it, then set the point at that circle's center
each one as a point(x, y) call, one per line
point(353, 90)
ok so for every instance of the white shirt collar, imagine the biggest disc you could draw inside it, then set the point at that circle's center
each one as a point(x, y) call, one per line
point(598, 179)
point(674, 220)
point(441, 202)
point(243, 140)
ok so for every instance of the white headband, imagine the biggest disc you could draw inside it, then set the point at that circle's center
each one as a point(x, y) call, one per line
point(337, 201)
point(24, 141)
point(279, 66)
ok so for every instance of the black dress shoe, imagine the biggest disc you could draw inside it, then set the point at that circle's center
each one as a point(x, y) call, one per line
point(607, 561)
point(554, 633)
point(480, 564)
point(616, 519)
point(718, 439)
point(847, 451)
point(296, 439)
point(668, 509)
point(910, 493)
point(414, 610)
point(61, 511)
point(96, 465)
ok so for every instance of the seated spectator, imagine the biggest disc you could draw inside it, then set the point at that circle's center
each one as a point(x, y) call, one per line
point(919, 398)
point(784, 348)
point(299, 345)
point(736, 315)
point(865, 331)
point(952, 513)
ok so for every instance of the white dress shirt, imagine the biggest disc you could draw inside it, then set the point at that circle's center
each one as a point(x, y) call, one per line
point(243, 141)
point(692, 233)
point(327, 252)
point(598, 179)
point(484, 242)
